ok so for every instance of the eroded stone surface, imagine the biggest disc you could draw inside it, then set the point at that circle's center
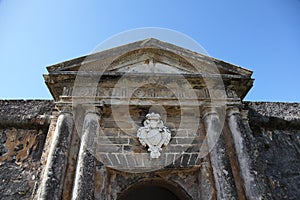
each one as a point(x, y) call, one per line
point(23, 129)
point(274, 146)
point(25, 113)
point(273, 143)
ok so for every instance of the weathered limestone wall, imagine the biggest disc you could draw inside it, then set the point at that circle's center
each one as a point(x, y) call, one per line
point(274, 147)
point(272, 139)
point(23, 129)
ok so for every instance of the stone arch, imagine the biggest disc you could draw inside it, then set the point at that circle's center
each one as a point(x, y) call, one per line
point(154, 189)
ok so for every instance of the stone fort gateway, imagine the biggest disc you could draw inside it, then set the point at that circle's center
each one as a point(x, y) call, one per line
point(149, 120)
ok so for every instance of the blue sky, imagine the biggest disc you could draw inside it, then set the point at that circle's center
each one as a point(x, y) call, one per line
point(260, 35)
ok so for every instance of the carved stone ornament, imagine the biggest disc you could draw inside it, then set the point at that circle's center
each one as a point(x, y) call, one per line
point(154, 134)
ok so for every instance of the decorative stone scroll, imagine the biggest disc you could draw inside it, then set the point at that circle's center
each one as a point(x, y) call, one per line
point(154, 134)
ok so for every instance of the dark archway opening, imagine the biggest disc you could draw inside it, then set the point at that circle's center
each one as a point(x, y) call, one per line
point(150, 193)
point(154, 190)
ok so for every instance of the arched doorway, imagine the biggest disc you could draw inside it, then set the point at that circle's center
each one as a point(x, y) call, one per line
point(154, 189)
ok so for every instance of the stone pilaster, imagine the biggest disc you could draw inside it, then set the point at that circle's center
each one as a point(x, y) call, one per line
point(53, 176)
point(206, 182)
point(223, 178)
point(84, 184)
point(235, 123)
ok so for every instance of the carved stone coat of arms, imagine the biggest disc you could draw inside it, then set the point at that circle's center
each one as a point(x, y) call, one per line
point(154, 134)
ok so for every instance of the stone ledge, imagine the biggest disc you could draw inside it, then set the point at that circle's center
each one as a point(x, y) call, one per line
point(273, 115)
point(282, 110)
point(24, 113)
point(138, 161)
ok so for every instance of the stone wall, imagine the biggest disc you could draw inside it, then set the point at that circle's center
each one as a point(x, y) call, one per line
point(118, 137)
point(274, 145)
point(273, 142)
point(23, 129)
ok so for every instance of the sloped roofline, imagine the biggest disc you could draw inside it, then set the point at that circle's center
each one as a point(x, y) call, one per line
point(147, 43)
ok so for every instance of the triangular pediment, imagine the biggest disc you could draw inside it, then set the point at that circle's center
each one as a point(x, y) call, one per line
point(150, 61)
point(150, 56)
point(149, 66)
point(145, 58)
